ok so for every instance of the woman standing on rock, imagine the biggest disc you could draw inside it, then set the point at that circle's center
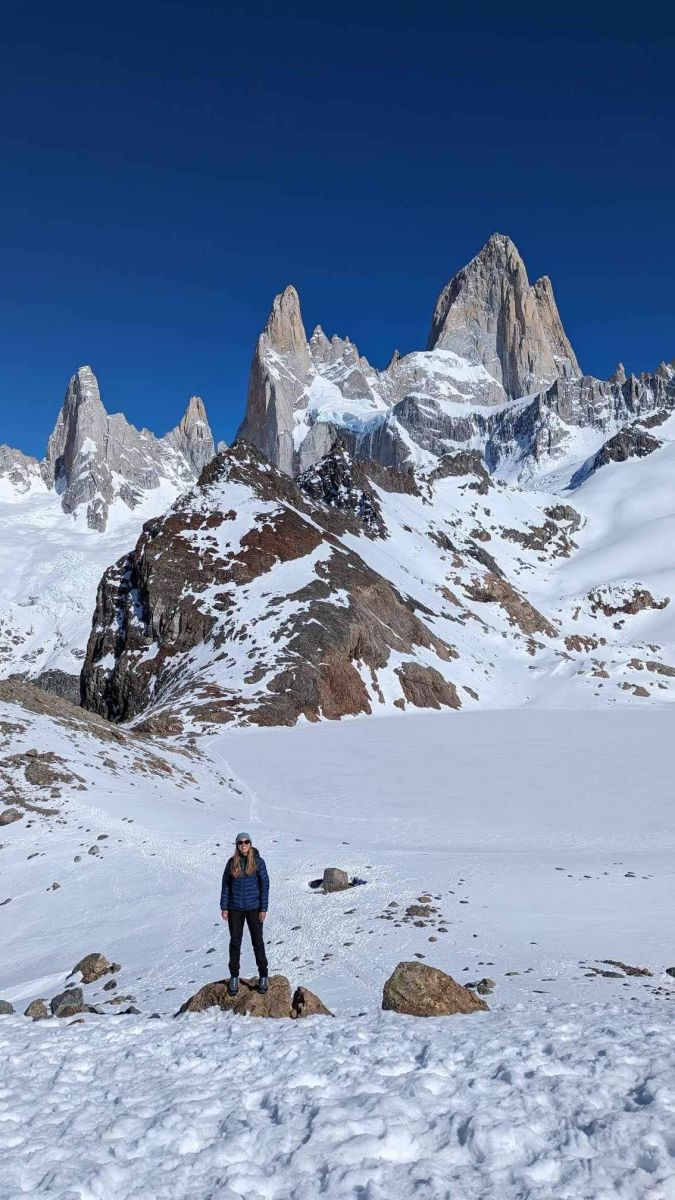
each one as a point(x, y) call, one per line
point(243, 899)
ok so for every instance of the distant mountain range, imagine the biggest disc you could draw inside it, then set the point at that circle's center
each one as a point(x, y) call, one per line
point(479, 523)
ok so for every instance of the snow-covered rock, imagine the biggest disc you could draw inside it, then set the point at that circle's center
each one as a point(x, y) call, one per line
point(498, 376)
point(94, 459)
point(63, 520)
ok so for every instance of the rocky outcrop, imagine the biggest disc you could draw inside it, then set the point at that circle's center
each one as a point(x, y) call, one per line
point(192, 437)
point(490, 314)
point(280, 370)
point(20, 471)
point(495, 339)
point(285, 618)
point(422, 991)
point(94, 459)
point(37, 1011)
point(68, 1003)
point(342, 484)
point(93, 967)
point(277, 1002)
point(630, 442)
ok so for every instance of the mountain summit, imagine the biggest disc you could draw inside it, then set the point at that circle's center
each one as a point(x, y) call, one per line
point(498, 375)
point(94, 458)
point(489, 313)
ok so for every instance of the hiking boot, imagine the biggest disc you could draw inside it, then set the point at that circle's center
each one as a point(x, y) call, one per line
point(233, 986)
point(262, 985)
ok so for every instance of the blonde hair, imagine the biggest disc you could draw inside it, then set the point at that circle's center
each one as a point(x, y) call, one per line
point(250, 861)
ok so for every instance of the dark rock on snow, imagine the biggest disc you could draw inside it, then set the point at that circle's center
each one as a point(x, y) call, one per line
point(335, 880)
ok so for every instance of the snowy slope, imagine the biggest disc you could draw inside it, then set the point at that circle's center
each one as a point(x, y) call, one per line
point(50, 567)
point(546, 837)
point(545, 840)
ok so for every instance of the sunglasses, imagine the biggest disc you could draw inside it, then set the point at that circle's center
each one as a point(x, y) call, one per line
point(245, 842)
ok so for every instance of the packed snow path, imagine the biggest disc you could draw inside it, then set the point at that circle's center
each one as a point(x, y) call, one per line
point(568, 1101)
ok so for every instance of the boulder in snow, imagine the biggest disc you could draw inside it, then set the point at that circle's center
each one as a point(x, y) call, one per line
point(9, 815)
point(37, 1010)
point(308, 1004)
point(248, 1002)
point(422, 991)
point(68, 1003)
point(92, 967)
point(335, 880)
point(6, 1009)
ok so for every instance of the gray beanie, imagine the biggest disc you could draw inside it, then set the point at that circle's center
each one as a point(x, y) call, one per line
point(245, 837)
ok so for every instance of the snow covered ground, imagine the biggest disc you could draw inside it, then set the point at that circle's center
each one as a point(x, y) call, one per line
point(546, 842)
point(561, 1100)
point(50, 568)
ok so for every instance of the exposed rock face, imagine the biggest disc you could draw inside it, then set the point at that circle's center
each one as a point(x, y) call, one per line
point(280, 368)
point(422, 991)
point(340, 483)
point(60, 683)
point(309, 639)
point(495, 339)
point(89, 452)
point(630, 442)
point(490, 314)
point(192, 437)
point(20, 470)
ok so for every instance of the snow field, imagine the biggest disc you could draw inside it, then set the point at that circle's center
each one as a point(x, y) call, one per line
point(564, 1101)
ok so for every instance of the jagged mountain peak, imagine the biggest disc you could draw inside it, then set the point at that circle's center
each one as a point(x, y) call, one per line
point(94, 458)
point(502, 248)
point(284, 329)
point(490, 313)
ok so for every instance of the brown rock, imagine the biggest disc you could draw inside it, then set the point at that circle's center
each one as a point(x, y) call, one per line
point(37, 1010)
point(335, 880)
point(275, 1003)
point(9, 815)
point(422, 991)
point(492, 590)
point(92, 967)
point(307, 1004)
point(248, 1002)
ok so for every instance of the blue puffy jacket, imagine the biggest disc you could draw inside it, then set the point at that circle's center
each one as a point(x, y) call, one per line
point(244, 892)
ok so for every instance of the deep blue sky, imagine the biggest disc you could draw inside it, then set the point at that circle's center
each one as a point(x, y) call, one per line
point(167, 167)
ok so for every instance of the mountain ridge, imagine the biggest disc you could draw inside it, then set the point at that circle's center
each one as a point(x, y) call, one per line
point(498, 375)
point(95, 458)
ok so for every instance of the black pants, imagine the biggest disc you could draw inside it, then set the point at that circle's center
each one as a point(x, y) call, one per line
point(236, 921)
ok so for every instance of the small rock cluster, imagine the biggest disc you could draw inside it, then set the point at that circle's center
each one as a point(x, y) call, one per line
point(277, 1002)
point(71, 1002)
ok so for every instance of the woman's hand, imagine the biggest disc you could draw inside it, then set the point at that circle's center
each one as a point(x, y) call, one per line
point(223, 913)
point(261, 916)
